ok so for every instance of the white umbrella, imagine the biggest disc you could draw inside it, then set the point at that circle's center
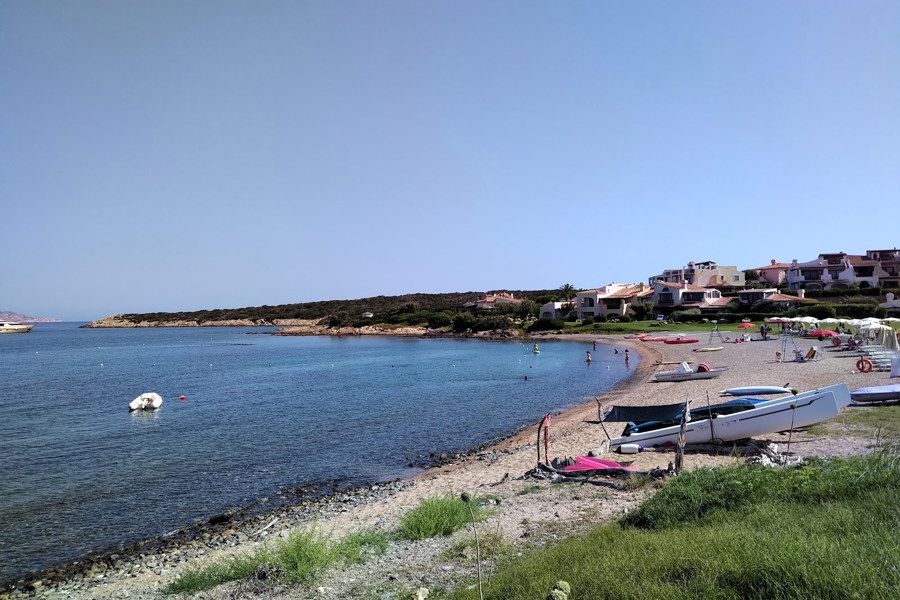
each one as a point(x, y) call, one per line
point(870, 320)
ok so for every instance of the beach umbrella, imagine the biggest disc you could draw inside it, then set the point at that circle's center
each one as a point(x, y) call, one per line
point(822, 333)
point(778, 320)
point(746, 325)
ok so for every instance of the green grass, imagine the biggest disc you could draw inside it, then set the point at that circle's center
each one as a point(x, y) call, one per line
point(300, 559)
point(656, 327)
point(356, 547)
point(233, 569)
point(827, 530)
point(885, 420)
point(305, 555)
point(435, 517)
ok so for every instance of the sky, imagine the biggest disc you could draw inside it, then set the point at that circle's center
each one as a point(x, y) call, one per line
point(191, 154)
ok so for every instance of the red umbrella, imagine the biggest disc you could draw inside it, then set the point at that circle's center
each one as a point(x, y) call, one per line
point(822, 333)
point(746, 325)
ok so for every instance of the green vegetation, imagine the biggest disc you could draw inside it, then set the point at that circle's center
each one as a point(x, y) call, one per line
point(300, 559)
point(233, 569)
point(453, 312)
point(884, 420)
point(305, 555)
point(436, 517)
point(830, 529)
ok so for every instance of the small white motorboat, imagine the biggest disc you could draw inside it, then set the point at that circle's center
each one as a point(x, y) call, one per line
point(146, 401)
point(685, 372)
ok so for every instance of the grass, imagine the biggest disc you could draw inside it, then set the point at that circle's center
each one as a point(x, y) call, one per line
point(306, 554)
point(655, 327)
point(885, 420)
point(300, 559)
point(437, 517)
point(879, 423)
point(830, 529)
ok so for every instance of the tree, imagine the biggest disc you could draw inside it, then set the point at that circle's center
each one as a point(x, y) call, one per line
point(751, 275)
point(567, 290)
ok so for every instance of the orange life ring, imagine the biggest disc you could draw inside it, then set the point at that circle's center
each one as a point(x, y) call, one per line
point(864, 365)
point(836, 341)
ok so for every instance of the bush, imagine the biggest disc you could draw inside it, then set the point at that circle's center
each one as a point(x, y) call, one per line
point(822, 311)
point(434, 517)
point(545, 324)
point(438, 320)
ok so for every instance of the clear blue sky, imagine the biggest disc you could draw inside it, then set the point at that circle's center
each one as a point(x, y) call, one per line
point(184, 155)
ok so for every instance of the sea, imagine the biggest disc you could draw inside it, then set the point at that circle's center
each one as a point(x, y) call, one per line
point(245, 416)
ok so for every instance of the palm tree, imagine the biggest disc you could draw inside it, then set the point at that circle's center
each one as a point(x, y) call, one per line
point(568, 290)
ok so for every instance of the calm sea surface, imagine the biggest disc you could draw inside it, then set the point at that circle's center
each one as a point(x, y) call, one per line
point(261, 413)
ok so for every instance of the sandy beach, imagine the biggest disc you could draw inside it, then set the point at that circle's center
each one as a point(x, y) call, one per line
point(530, 510)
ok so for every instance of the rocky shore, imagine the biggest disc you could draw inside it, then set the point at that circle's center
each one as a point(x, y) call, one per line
point(528, 512)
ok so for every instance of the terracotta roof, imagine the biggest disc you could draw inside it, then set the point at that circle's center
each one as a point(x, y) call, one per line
point(632, 290)
point(723, 301)
point(787, 298)
point(775, 266)
point(861, 260)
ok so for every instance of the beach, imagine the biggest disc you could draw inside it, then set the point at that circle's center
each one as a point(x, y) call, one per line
point(527, 511)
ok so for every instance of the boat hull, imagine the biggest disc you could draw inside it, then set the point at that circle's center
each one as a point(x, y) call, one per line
point(146, 401)
point(771, 416)
point(15, 328)
point(880, 393)
point(755, 390)
point(679, 376)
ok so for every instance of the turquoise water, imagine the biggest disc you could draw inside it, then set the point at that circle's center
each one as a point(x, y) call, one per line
point(261, 414)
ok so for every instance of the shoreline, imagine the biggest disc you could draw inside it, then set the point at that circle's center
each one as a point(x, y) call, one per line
point(308, 500)
point(498, 466)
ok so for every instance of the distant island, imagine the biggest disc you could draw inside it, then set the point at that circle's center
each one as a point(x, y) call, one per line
point(409, 314)
point(6, 315)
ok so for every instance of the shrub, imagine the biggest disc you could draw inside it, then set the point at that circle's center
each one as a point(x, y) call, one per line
point(821, 311)
point(545, 324)
point(434, 517)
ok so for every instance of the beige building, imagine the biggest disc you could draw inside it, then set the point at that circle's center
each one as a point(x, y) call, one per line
point(702, 274)
point(612, 300)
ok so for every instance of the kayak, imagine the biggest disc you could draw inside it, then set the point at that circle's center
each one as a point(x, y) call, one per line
point(710, 349)
point(752, 390)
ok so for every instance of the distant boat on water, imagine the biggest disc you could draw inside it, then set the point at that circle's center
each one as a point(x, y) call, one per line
point(13, 327)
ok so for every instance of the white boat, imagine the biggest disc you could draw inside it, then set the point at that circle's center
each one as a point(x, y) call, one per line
point(756, 390)
point(13, 327)
point(771, 416)
point(146, 401)
point(686, 373)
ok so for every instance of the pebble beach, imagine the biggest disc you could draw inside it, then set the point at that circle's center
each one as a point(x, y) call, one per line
point(500, 471)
